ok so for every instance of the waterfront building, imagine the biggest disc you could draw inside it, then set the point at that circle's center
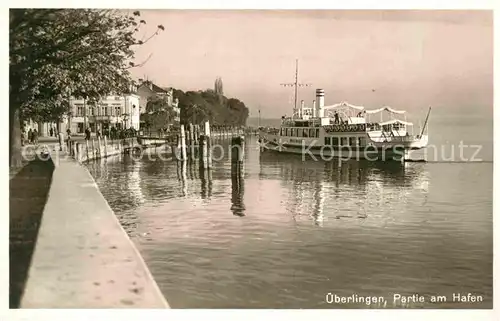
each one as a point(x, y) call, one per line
point(147, 90)
point(119, 111)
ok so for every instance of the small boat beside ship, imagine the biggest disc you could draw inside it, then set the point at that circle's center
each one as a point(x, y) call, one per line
point(345, 131)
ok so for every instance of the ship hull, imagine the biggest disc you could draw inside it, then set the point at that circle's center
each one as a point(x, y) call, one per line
point(382, 152)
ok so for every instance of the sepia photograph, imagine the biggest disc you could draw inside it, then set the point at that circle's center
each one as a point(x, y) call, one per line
point(250, 159)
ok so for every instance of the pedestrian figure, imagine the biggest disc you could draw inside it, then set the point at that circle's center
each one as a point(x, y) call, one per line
point(98, 133)
point(30, 136)
point(87, 134)
point(35, 136)
point(51, 132)
point(336, 116)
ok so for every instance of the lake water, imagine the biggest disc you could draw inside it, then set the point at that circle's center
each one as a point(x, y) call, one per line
point(283, 233)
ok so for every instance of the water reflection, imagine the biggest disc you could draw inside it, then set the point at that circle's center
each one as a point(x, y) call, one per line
point(237, 188)
point(310, 228)
point(182, 176)
point(206, 183)
point(315, 191)
point(324, 190)
point(319, 201)
point(351, 172)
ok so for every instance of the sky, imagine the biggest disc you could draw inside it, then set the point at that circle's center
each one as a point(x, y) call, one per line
point(408, 59)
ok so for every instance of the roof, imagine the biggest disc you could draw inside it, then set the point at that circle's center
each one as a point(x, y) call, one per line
point(396, 121)
point(346, 104)
point(153, 87)
point(343, 104)
point(158, 89)
point(386, 108)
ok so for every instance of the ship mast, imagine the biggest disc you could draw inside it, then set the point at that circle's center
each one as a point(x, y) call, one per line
point(296, 85)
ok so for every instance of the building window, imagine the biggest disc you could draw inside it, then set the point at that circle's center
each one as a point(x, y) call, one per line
point(335, 141)
point(361, 141)
point(327, 140)
point(317, 133)
point(79, 111)
point(293, 132)
point(306, 132)
point(343, 141)
point(352, 141)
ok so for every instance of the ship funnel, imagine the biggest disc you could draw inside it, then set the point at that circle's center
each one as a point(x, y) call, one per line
point(320, 97)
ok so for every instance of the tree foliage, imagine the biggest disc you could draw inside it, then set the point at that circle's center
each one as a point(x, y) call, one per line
point(200, 106)
point(59, 53)
point(159, 114)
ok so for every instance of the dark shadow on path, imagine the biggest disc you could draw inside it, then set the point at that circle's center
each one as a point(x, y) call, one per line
point(29, 190)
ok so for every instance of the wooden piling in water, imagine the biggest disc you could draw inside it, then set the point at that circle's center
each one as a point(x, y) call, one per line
point(183, 143)
point(191, 134)
point(237, 149)
point(191, 147)
point(209, 144)
point(93, 149)
point(176, 147)
point(99, 146)
point(105, 147)
point(87, 145)
point(196, 134)
point(237, 184)
point(203, 151)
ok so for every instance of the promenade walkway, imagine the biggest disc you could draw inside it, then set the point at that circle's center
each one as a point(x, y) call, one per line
point(83, 257)
point(28, 192)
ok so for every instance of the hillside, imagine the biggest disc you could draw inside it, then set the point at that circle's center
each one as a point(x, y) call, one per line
point(199, 106)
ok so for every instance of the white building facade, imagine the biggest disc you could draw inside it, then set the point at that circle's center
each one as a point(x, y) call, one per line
point(148, 90)
point(121, 112)
point(118, 111)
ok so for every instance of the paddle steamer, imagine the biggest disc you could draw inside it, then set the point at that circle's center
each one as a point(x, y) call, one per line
point(344, 131)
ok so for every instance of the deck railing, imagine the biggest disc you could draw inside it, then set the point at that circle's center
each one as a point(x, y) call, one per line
point(400, 139)
point(270, 130)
